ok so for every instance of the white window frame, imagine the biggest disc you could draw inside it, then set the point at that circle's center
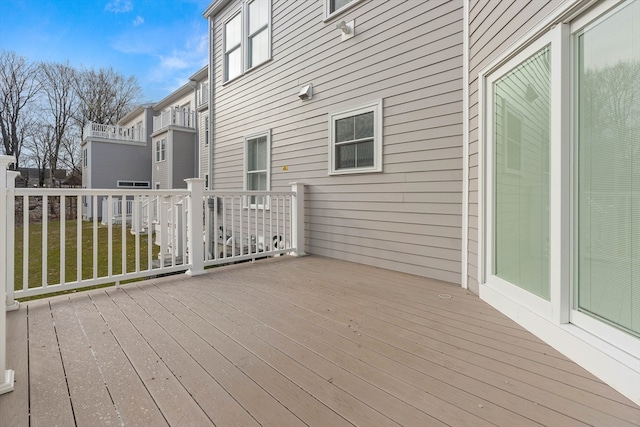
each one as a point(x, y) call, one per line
point(244, 41)
point(247, 36)
point(161, 149)
point(328, 14)
point(134, 184)
point(599, 347)
point(85, 158)
point(246, 171)
point(376, 107)
point(225, 52)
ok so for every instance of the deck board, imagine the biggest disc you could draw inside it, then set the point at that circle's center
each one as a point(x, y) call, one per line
point(309, 341)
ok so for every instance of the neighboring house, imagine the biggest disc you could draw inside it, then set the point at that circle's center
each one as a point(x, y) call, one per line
point(32, 177)
point(117, 156)
point(175, 138)
point(473, 142)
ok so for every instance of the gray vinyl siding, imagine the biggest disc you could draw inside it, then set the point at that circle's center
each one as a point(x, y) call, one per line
point(113, 162)
point(183, 158)
point(494, 26)
point(409, 54)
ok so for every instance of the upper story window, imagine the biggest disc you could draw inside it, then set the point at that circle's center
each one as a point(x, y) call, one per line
point(85, 158)
point(355, 138)
point(161, 146)
point(257, 167)
point(247, 38)
point(335, 7)
point(206, 131)
point(233, 47)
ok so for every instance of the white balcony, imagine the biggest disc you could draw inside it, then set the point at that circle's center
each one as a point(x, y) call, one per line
point(114, 132)
point(174, 117)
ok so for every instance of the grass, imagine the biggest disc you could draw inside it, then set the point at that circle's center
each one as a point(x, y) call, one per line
point(54, 245)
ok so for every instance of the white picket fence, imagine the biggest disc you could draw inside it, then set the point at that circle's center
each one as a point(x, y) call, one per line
point(155, 232)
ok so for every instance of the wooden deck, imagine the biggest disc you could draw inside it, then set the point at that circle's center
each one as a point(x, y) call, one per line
point(287, 342)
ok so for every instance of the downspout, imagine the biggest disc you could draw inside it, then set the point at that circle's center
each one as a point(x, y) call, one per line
point(465, 145)
point(210, 100)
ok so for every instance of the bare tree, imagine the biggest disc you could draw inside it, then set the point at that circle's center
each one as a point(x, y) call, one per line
point(59, 107)
point(105, 96)
point(18, 89)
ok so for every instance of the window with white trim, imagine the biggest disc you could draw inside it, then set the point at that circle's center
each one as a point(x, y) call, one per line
point(206, 131)
point(562, 189)
point(355, 140)
point(133, 184)
point(336, 7)
point(233, 47)
point(161, 146)
point(257, 168)
point(85, 158)
point(246, 38)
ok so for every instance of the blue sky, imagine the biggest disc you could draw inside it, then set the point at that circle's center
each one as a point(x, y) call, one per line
point(161, 42)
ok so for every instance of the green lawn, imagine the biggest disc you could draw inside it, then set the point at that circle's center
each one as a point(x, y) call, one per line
point(70, 245)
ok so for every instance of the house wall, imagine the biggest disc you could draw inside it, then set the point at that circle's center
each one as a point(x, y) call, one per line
point(494, 25)
point(161, 169)
point(183, 159)
point(407, 218)
point(112, 161)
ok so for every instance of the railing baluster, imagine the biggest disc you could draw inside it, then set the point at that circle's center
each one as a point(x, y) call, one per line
point(123, 229)
point(109, 236)
point(79, 239)
point(136, 215)
point(63, 239)
point(95, 235)
point(25, 242)
point(45, 223)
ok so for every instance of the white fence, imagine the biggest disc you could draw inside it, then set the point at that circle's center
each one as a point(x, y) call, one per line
point(45, 242)
point(116, 132)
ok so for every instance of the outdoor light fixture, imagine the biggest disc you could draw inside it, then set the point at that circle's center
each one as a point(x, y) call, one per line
point(348, 29)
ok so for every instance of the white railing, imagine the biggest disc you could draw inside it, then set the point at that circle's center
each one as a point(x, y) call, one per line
point(203, 93)
point(176, 117)
point(115, 132)
point(46, 247)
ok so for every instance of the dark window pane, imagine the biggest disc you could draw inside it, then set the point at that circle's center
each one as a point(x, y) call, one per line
point(345, 129)
point(257, 148)
point(364, 125)
point(346, 156)
point(337, 4)
point(364, 154)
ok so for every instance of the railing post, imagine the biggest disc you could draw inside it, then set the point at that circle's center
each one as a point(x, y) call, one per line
point(195, 245)
point(297, 218)
point(12, 304)
point(6, 375)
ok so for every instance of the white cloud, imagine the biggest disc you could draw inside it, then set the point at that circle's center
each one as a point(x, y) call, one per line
point(119, 6)
point(138, 21)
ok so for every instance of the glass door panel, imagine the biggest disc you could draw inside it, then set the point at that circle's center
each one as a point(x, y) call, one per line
point(607, 181)
point(521, 123)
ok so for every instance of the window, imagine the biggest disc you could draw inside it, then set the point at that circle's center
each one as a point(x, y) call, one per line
point(335, 7)
point(355, 138)
point(206, 131)
point(258, 33)
point(85, 158)
point(161, 146)
point(233, 47)
point(133, 184)
point(247, 38)
point(257, 167)
point(561, 182)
